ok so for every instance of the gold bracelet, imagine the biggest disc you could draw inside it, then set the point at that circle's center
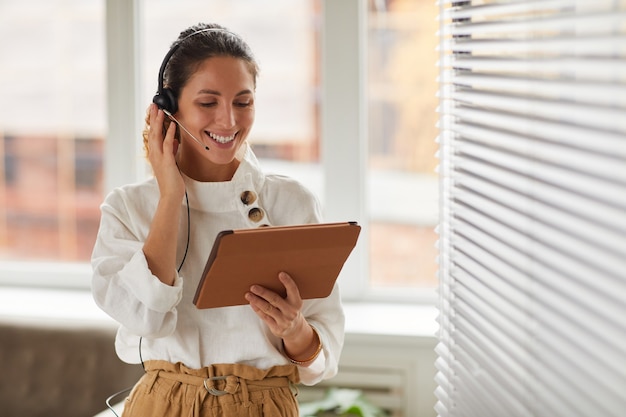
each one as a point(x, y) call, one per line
point(313, 357)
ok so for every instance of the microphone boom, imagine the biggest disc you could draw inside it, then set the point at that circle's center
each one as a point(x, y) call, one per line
point(184, 128)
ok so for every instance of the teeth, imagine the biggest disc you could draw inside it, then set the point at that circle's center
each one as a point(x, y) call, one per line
point(222, 139)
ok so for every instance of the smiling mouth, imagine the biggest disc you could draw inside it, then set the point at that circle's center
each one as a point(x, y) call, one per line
point(221, 139)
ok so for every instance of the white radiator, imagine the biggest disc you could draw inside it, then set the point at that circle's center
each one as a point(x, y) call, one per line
point(394, 372)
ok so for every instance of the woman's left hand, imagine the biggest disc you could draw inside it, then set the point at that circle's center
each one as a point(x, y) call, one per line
point(282, 315)
point(284, 318)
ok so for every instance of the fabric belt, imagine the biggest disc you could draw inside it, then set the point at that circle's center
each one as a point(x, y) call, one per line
point(222, 379)
point(231, 383)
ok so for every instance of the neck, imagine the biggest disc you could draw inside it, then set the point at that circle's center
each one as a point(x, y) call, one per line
point(203, 170)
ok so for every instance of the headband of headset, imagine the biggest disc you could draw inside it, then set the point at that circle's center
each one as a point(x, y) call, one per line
point(165, 97)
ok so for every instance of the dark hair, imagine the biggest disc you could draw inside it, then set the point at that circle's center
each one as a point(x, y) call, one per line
point(196, 48)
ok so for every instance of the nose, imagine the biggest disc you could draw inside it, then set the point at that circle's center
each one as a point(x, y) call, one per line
point(225, 116)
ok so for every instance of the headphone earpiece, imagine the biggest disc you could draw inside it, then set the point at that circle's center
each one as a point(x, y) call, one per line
point(166, 100)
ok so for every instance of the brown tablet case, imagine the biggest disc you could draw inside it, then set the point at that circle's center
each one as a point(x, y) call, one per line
point(312, 254)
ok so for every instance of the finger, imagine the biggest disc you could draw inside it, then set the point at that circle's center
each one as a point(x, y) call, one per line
point(269, 309)
point(154, 112)
point(262, 307)
point(293, 293)
point(155, 136)
point(168, 142)
point(267, 295)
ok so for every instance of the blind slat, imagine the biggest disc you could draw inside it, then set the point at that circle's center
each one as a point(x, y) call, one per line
point(607, 69)
point(562, 47)
point(496, 8)
point(602, 94)
point(552, 133)
point(600, 118)
point(580, 25)
point(499, 9)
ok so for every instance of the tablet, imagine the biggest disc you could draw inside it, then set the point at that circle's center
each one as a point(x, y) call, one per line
point(312, 254)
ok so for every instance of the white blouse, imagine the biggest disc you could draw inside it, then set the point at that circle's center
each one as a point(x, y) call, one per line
point(164, 317)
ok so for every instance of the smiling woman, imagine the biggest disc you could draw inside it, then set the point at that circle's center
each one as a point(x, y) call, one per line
point(155, 235)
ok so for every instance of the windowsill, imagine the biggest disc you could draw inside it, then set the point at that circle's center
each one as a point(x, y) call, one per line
point(369, 318)
point(28, 304)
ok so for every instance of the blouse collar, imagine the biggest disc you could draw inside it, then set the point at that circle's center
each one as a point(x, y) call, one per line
point(227, 195)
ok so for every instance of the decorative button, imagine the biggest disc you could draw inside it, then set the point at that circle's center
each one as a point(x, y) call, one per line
point(248, 197)
point(256, 214)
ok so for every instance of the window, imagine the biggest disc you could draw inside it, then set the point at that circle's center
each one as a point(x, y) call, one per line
point(75, 167)
point(53, 110)
point(533, 231)
point(403, 185)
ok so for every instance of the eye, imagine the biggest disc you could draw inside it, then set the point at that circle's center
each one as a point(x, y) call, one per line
point(243, 103)
point(208, 104)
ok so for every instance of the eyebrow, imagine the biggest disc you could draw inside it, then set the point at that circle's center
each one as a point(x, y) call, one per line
point(217, 93)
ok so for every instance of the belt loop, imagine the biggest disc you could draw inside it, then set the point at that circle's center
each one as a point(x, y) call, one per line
point(152, 380)
point(244, 391)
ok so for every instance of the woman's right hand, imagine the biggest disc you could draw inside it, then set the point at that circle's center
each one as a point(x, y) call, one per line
point(162, 155)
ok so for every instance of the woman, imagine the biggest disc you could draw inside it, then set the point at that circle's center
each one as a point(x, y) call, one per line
point(154, 239)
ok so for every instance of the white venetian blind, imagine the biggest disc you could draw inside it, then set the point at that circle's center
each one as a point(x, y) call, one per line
point(533, 222)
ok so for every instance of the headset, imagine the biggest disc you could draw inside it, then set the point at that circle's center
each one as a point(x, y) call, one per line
point(165, 97)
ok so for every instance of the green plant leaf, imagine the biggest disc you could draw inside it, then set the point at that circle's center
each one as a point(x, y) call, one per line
point(342, 401)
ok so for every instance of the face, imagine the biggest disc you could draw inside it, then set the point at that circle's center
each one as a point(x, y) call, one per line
point(217, 107)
